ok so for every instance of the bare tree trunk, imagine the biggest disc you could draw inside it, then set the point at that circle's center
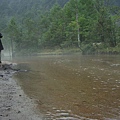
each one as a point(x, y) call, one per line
point(11, 48)
point(78, 29)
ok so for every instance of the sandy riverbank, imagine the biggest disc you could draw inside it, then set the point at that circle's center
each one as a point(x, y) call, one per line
point(14, 104)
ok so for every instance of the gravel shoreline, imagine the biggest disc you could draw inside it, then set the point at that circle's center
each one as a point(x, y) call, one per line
point(14, 103)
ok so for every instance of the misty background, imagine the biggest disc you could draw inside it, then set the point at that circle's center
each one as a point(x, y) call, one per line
point(30, 26)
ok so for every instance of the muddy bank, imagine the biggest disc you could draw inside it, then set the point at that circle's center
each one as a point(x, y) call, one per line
point(14, 104)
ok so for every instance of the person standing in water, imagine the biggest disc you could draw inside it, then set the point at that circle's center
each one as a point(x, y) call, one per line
point(1, 48)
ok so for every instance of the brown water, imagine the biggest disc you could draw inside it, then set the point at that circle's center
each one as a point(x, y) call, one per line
point(73, 87)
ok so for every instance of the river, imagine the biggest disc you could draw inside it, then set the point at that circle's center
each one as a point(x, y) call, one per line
point(73, 87)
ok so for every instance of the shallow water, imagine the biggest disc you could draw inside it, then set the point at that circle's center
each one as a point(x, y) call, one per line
point(73, 87)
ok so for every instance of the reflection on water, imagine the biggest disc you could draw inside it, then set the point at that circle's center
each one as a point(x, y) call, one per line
point(74, 87)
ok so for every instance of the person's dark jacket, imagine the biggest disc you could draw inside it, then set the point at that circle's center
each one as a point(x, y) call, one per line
point(1, 46)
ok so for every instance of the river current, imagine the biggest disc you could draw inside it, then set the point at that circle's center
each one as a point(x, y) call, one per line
point(73, 87)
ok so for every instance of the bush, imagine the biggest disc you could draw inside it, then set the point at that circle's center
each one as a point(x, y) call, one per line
point(88, 49)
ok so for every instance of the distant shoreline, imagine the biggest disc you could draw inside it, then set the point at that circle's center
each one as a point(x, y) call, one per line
point(67, 52)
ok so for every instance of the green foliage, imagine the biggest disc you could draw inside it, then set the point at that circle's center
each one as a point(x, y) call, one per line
point(14, 33)
point(42, 24)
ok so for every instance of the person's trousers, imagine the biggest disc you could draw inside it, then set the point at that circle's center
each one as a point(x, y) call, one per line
point(0, 56)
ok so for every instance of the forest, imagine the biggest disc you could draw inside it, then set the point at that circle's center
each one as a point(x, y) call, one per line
point(89, 26)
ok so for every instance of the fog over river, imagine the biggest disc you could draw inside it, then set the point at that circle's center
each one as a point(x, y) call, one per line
point(73, 87)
